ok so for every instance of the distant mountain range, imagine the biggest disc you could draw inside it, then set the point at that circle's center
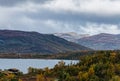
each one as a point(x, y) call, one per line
point(71, 36)
point(101, 41)
point(33, 42)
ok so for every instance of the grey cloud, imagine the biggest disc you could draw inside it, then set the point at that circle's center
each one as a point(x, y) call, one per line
point(46, 20)
point(8, 3)
point(73, 17)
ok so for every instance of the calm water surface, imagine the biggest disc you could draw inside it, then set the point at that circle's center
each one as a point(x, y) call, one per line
point(24, 64)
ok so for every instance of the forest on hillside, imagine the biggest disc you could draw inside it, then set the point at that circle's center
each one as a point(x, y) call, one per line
point(100, 66)
point(74, 55)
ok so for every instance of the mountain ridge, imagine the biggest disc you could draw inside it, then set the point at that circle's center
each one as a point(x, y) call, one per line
point(102, 41)
point(71, 36)
point(13, 41)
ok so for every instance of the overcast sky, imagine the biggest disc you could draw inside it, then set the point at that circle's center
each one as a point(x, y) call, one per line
point(52, 16)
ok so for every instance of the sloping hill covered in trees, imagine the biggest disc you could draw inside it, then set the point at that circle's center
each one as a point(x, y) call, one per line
point(33, 42)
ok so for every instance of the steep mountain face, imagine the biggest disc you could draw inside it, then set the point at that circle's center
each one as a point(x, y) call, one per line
point(101, 41)
point(71, 36)
point(33, 42)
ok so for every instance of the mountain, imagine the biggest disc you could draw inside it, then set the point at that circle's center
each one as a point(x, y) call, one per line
point(101, 41)
point(71, 36)
point(12, 41)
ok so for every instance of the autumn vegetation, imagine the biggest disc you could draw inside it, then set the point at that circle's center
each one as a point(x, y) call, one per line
point(100, 66)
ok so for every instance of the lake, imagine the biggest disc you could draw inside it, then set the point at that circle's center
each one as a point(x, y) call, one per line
point(24, 64)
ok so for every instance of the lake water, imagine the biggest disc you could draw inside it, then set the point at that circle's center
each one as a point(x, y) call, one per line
point(24, 64)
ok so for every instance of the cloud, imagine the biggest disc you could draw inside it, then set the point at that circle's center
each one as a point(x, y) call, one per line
point(97, 7)
point(93, 28)
point(88, 28)
point(52, 16)
point(9, 3)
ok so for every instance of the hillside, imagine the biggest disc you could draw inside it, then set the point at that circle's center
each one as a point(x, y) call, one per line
point(33, 42)
point(101, 41)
